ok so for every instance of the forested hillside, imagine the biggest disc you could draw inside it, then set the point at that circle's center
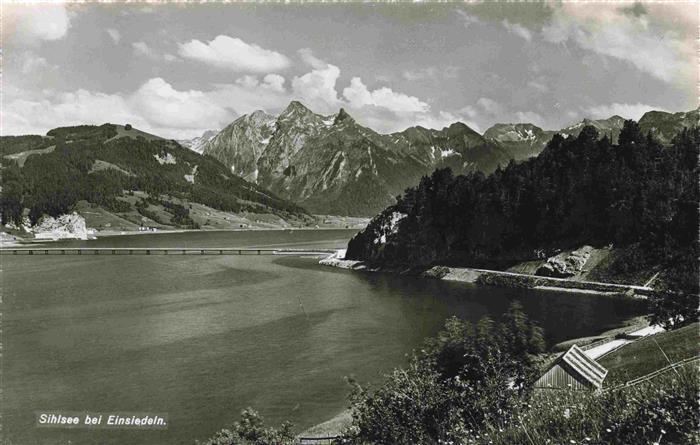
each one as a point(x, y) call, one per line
point(637, 195)
point(104, 165)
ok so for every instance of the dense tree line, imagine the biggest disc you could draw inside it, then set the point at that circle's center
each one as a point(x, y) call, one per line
point(636, 195)
point(52, 183)
point(17, 144)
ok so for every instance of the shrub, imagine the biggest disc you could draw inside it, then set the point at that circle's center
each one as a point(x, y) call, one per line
point(465, 378)
point(673, 310)
point(250, 430)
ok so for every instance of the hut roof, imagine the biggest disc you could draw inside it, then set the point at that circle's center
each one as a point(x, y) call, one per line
point(585, 366)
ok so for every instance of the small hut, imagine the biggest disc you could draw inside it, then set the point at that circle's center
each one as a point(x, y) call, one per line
point(573, 370)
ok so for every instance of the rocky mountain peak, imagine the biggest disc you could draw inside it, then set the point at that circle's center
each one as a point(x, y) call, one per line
point(295, 108)
point(342, 116)
point(260, 116)
point(459, 127)
point(197, 144)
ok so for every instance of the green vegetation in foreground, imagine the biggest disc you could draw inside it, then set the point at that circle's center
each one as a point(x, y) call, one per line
point(251, 430)
point(661, 411)
point(651, 353)
point(407, 409)
point(472, 385)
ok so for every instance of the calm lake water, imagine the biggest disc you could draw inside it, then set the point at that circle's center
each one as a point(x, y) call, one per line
point(202, 337)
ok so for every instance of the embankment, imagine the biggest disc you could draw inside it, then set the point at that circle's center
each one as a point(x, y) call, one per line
point(498, 278)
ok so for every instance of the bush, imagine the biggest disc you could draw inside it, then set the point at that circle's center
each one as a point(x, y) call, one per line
point(672, 310)
point(465, 378)
point(250, 430)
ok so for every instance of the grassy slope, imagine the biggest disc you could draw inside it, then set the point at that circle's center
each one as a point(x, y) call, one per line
point(645, 356)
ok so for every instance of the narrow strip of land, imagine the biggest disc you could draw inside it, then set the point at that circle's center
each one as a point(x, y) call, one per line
point(160, 251)
point(502, 278)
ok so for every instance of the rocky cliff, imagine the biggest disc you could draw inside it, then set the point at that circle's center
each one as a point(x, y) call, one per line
point(333, 165)
point(69, 226)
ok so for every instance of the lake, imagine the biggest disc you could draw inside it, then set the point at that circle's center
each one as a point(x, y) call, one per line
point(202, 337)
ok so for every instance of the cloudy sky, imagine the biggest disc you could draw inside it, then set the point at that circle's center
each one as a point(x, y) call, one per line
point(178, 70)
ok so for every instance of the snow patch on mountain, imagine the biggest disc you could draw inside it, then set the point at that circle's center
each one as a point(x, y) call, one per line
point(447, 152)
point(328, 121)
point(190, 178)
point(167, 159)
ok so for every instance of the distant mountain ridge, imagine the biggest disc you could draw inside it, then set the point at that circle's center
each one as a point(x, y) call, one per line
point(664, 125)
point(521, 140)
point(197, 144)
point(333, 165)
point(129, 178)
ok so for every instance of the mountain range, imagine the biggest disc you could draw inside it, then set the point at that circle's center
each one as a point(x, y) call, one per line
point(261, 170)
point(197, 144)
point(330, 164)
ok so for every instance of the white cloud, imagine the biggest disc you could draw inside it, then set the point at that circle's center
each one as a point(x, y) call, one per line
point(531, 117)
point(41, 23)
point(664, 55)
point(248, 81)
point(37, 115)
point(164, 106)
point(234, 54)
point(272, 82)
point(490, 106)
point(469, 111)
point(358, 95)
point(142, 49)
point(317, 88)
point(518, 30)
point(114, 34)
point(163, 109)
point(628, 111)
point(155, 107)
point(308, 57)
point(34, 64)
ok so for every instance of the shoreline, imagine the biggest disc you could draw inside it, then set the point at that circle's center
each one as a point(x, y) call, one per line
point(335, 424)
point(19, 242)
point(485, 277)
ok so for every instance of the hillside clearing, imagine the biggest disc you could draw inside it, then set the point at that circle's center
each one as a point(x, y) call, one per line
point(650, 353)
